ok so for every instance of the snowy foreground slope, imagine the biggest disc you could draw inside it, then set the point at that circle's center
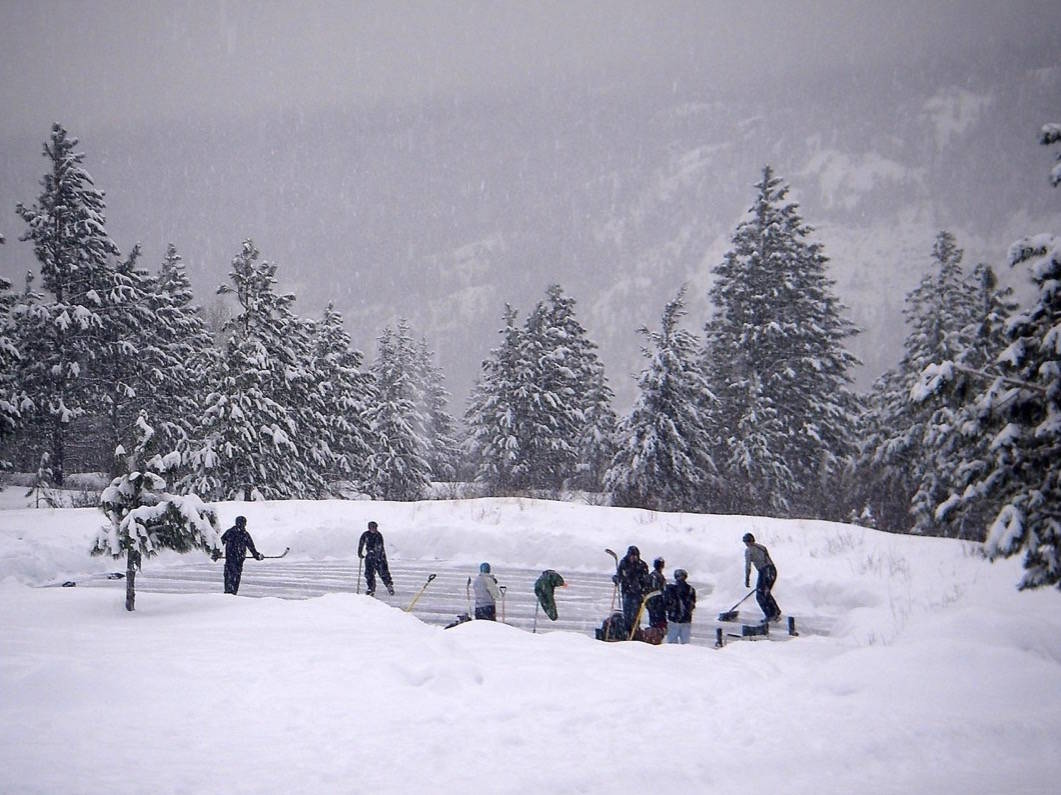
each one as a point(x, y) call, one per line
point(934, 675)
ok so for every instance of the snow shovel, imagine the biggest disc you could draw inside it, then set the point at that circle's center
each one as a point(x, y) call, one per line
point(430, 577)
point(503, 589)
point(360, 560)
point(731, 614)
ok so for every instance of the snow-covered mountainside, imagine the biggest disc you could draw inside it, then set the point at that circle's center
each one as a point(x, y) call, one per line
point(443, 213)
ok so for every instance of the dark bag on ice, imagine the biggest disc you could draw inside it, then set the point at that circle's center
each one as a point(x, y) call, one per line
point(613, 628)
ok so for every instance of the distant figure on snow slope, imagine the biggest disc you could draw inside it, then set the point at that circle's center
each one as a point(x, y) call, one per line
point(370, 547)
point(237, 541)
point(632, 576)
point(756, 555)
point(681, 602)
point(486, 594)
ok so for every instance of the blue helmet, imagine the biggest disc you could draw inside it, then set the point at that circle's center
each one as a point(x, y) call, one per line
point(484, 568)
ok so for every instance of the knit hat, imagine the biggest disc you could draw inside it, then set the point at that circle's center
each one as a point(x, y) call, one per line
point(484, 568)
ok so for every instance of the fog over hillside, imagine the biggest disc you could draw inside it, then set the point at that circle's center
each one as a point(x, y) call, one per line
point(620, 184)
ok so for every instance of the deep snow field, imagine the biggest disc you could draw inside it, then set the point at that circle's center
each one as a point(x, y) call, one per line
point(934, 674)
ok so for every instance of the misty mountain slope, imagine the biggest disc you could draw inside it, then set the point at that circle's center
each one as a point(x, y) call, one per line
point(443, 213)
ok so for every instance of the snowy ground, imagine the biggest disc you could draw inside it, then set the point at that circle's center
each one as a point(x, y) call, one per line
point(921, 668)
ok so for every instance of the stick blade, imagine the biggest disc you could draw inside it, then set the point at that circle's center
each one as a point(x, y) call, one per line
point(729, 615)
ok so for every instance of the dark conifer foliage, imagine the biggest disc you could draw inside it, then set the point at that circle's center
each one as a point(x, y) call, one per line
point(398, 466)
point(493, 418)
point(775, 358)
point(662, 457)
point(254, 436)
point(941, 314)
point(539, 416)
point(67, 227)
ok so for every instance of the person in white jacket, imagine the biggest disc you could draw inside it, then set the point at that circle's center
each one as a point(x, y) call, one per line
point(486, 594)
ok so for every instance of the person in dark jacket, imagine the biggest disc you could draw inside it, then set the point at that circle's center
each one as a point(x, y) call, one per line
point(657, 611)
point(632, 576)
point(755, 554)
point(681, 602)
point(370, 547)
point(237, 541)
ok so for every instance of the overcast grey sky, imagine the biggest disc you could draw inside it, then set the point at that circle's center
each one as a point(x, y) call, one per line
point(94, 63)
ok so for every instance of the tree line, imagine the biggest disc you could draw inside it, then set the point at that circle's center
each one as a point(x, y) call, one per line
point(756, 415)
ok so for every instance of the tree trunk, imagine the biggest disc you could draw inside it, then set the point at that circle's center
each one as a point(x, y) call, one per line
point(130, 581)
point(58, 461)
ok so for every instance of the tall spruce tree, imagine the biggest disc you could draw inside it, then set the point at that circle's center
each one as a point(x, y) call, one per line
point(493, 418)
point(440, 427)
point(941, 313)
point(1021, 409)
point(12, 398)
point(557, 369)
point(596, 444)
point(775, 356)
point(955, 446)
point(249, 442)
point(67, 227)
point(662, 460)
point(179, 357)
point(398, 467)
point(346, 393)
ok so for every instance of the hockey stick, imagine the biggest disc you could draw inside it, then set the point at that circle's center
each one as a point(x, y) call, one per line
point(360, 561)
point(615, 590)
point(640, 611)
point(264, 557)
point(430, 577)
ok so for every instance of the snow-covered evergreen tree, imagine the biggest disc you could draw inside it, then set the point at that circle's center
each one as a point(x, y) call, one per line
point(143, 518)
point(440, 428)
point(398, 467)
point(11, 397)
point(955, 445)
point(68, 230)
point(120, 372)
point(775, 358)
point(662, 459)
point(557, 368)
point(179, 355)
point(596, 445)
point(540, 403)
point(1020, 412)
point(249, 442)
point(494, 437)
point(1024, 472)
point(941, 314)
point(346, 393)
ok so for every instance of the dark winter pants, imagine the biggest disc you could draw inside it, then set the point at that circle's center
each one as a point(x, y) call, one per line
point(233, 574)
point(487, 612)
point(763, 586)
point(372, 566)
point(631, 606)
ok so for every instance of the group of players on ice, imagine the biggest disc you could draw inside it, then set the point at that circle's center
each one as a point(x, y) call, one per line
point(669, 606)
